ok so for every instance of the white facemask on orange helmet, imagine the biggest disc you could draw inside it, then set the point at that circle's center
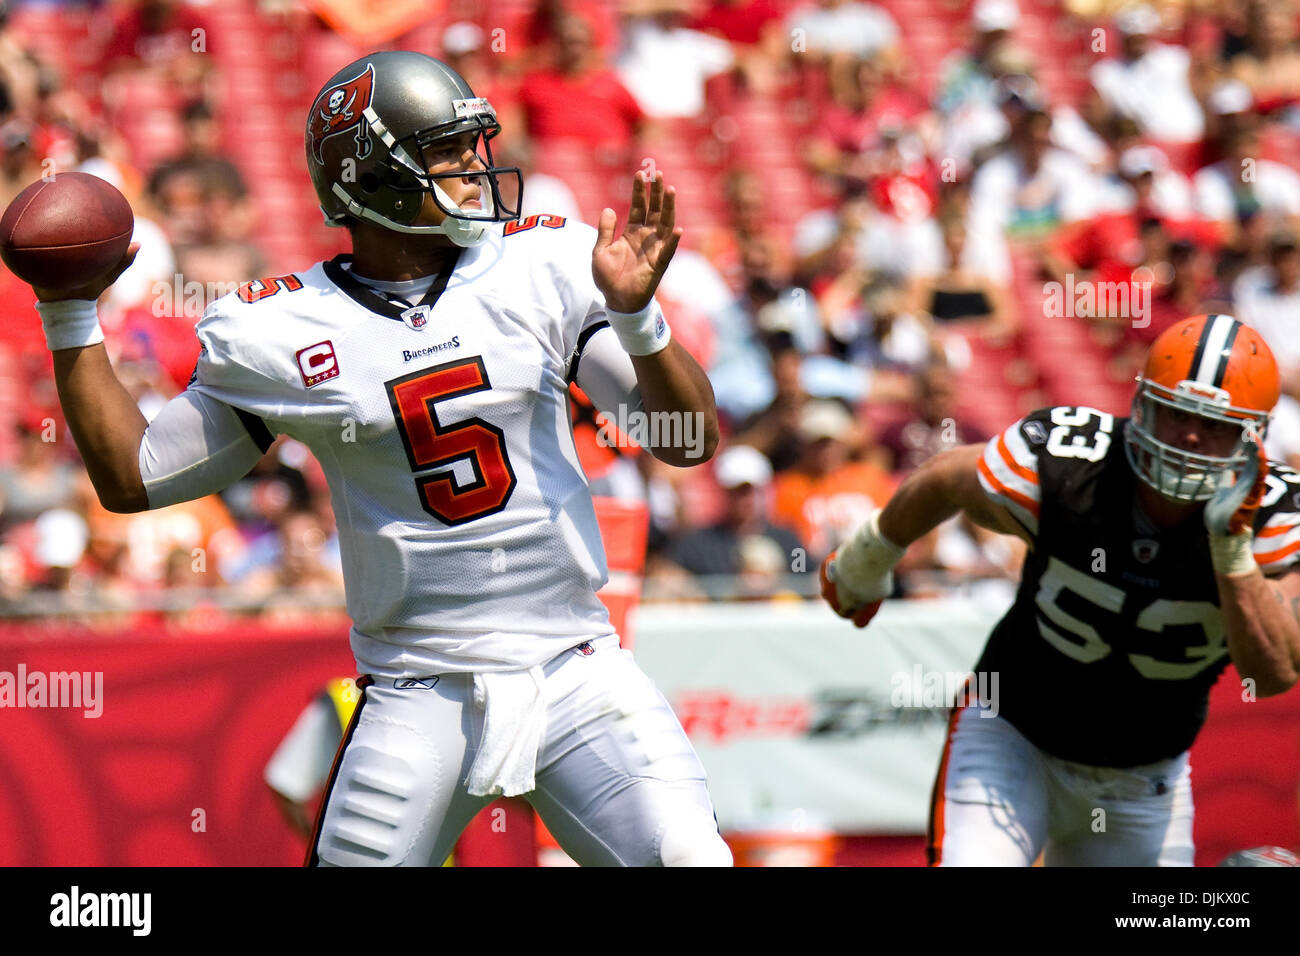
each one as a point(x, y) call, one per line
point(1209, 366)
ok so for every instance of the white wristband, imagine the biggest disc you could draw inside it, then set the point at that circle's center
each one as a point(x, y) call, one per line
point(70, 323)
point(1233, 554)
point(641, 333)
point(868, 555)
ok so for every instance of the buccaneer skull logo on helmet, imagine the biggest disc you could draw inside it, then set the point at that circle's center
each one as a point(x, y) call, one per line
point(1216, 374)
point(403, 106)
point(338, 109)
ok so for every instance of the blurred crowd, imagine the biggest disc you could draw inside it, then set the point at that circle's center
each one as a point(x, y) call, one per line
point(879, 202)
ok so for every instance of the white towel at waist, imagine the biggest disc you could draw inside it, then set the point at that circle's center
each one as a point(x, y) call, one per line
point(514, 719)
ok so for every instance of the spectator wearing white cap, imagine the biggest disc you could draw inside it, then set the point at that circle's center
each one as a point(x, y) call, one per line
point(745, 476)
point(1152, 82)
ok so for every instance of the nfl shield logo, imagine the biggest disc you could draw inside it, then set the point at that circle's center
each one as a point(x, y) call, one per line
point(1144, 549)
point(416, 318)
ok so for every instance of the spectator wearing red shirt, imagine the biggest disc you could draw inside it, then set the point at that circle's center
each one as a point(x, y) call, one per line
point(580, 100)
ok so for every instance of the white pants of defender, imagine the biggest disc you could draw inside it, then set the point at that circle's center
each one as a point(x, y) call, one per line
point(618, 783)
point(1000, 801)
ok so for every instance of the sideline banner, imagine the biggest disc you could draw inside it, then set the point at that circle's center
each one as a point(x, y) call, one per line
point(794, 710)
point(799, 716)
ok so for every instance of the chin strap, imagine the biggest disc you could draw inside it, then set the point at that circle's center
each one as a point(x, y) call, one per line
point(462, 232)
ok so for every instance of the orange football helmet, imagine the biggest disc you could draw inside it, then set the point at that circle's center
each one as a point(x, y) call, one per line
point(1211, 366)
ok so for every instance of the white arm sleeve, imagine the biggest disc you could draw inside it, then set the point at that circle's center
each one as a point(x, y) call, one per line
point(197, 446)
point(604, 371)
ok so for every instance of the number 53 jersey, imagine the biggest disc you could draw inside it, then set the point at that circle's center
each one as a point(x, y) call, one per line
point(1115, 638)
point(467, 530)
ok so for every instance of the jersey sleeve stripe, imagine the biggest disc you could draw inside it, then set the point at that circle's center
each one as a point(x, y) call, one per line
point(1272, 531)
point(1272, 557)
point(257, 429)
point(1020, 480)
point(1023, 505)
point(1026, 473)
point(583, 339)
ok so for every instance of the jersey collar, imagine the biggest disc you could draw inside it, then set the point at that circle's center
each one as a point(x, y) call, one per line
point(365, 296)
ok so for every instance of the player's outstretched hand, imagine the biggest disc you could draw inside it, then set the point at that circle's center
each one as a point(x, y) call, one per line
point(843, 603)
point(627, 268)
point(92, 290)
point(1232, 509)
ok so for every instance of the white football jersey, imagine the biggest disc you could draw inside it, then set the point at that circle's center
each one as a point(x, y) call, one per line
point(467, 530)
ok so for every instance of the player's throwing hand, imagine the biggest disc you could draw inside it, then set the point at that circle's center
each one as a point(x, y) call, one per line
point(627, 269)
point(93, 290)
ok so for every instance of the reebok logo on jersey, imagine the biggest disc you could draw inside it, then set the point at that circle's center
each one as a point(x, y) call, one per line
point(451, 343)
point(318, 363)
point(1034, 432)
point(416, 683)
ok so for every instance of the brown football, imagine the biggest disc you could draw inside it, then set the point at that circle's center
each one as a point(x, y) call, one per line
point(66, 231)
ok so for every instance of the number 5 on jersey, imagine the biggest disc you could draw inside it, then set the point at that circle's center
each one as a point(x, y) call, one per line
point(431, 444)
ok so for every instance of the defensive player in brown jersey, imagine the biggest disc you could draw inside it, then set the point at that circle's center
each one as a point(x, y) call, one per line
point(1162, 547)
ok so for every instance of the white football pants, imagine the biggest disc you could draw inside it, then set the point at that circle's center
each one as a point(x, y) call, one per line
point(618, 783)
point(999, 800)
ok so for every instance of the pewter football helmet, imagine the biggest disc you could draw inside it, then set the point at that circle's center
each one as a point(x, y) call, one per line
point(371, 130)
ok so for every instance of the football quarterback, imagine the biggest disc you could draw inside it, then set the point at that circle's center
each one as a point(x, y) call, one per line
point(1162, 546)
point(428, 372)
